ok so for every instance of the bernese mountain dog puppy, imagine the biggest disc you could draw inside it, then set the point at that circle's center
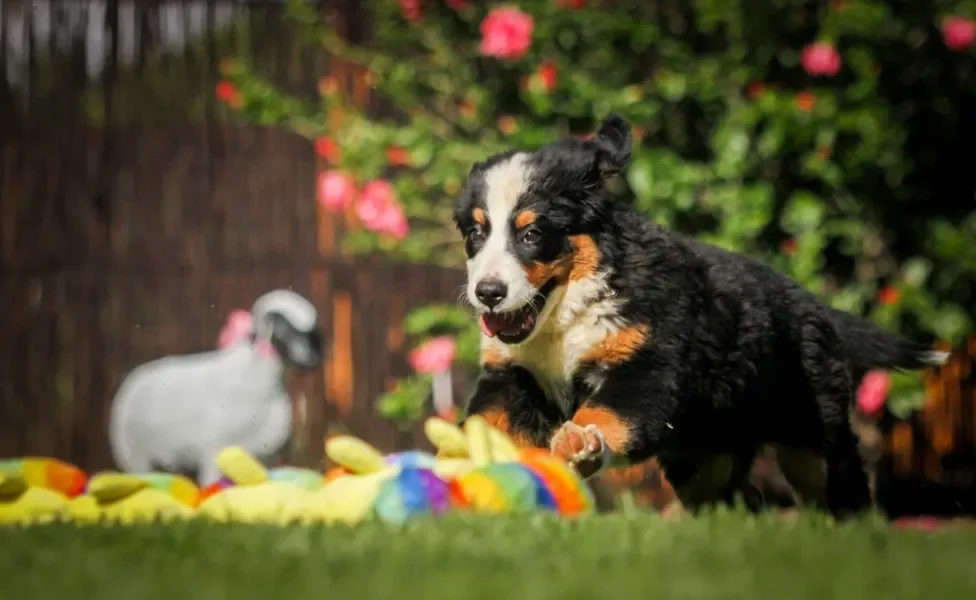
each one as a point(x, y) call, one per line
point(606, 337)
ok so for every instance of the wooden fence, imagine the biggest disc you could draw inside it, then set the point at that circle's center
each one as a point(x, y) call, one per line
point(135, 215)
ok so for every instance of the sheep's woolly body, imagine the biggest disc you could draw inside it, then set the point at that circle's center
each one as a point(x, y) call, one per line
point(177, 413)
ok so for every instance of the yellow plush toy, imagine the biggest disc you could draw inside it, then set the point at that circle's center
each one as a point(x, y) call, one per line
point(349, 498)
point(477, 445)
point(255, 497)
point(126, 499)
point(25, 504)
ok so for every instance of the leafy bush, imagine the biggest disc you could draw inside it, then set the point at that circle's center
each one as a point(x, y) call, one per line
point(831, 141)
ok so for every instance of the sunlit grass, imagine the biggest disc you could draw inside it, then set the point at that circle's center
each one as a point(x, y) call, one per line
point(725, 555)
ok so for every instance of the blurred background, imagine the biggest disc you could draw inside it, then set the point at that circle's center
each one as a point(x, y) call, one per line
point(165, 163)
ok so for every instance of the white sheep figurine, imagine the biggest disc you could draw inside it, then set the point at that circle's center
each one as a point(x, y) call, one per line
point(177, 413)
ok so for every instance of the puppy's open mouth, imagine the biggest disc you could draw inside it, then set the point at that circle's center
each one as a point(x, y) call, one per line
point(514, 326)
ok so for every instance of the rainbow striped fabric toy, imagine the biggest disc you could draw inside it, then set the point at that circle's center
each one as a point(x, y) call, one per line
point(48, 473)
point(477, 469)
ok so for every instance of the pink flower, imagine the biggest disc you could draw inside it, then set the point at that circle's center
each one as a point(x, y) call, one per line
point(506, 33)
point(820, 58)
point(378, 210)
point(434, 356)
point(336, 190)
point(959, 33)
point(873, 392)
point(237, 329)
point(412, 9)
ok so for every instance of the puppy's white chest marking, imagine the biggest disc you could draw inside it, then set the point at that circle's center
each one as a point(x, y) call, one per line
point(576, 319)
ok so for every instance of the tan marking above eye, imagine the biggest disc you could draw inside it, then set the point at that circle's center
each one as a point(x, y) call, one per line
point(525, 218)
point(479, 216)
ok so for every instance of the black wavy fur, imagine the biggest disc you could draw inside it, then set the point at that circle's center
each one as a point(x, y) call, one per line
point(738, 356)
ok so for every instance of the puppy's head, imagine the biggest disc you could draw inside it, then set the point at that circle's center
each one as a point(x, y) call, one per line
point(528, 220)
point(290, 323)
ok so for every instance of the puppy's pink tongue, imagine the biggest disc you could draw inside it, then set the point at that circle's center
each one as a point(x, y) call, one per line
point(484, 327)
point(491, 324)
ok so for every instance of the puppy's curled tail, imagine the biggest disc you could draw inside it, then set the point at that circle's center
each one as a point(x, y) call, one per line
point(868, 346)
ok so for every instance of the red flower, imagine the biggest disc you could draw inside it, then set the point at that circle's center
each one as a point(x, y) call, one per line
point(397, 156)
point(820, 58)
point(571, 4)
point(328, 85)
point(959, 33)
point(548, 75)
point(458, 5)
point(889, 295)
point(434, 356)
point(336, 190)
point(507, 124)
point(378, 210)
point(873, 392)
point(326, 148)
point(506, 33)
point(412, 9)
point(789, 246)
point(227, 93)
point(755, 89)
point(804, 101)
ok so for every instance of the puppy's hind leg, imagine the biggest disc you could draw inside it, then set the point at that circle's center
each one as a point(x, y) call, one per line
point(847, 490)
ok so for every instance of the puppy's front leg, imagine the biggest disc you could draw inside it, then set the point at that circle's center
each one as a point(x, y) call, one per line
point(593, 437)
point(628, 418)
point(511, 400)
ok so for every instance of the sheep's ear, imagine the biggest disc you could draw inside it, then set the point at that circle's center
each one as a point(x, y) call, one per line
point(614, 141)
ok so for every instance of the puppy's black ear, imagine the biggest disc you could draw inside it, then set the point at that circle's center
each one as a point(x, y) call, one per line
point(614, 140)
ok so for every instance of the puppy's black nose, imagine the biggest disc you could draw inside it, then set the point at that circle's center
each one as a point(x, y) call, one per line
point(491, 292)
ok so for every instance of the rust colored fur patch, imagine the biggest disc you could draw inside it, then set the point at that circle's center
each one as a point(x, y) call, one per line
point(586, 257)
point(615, 429)
point(618, 347)
point(490, 357)
point(583, 261)
point(498, 418)
point(479, 216)
point(525, 218)
point(539, 273)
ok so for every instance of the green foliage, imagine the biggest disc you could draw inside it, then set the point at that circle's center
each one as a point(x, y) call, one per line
point(830, 180)
point(406, 403)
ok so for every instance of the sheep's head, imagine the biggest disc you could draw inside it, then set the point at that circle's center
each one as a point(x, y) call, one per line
point(290, 323)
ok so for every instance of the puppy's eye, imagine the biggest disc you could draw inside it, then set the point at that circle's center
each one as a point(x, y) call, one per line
point(531, 236)
point(476, 233)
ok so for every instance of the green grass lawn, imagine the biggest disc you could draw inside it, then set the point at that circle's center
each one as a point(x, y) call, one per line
point(725, 555)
